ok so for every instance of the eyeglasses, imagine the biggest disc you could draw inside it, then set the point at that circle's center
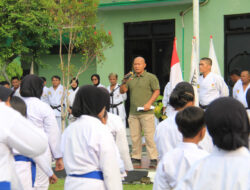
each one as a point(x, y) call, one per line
point(94, 79)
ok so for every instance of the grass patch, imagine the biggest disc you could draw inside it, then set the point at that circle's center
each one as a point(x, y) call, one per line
point(59, 186)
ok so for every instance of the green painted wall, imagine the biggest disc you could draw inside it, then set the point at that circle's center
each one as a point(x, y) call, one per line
point(211, 23)
point(51, 67)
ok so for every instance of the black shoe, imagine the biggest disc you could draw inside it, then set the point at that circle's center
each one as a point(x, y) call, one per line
point(136, 162)
point(153, 163)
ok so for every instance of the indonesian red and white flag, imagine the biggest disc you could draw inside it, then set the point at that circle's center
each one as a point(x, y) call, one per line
point(212, 55)
point(175, 69)
point(194, 71)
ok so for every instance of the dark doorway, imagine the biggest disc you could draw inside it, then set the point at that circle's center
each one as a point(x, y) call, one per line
point(152, 40)
point(237, 43)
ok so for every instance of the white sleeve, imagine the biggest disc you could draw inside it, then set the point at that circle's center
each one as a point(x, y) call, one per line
point(26, 138)
point(122, 144)
point(52, 130)
point(160, 180)
point(124, 96)
point(165, 97)
point(222, 87)
point(44, 165)
point(108, 162)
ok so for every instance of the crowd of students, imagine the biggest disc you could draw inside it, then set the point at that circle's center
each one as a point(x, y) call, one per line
point(197, 148)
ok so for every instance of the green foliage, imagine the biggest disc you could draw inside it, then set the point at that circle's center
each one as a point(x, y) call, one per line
point(158, 108)
point(76, 22)
point(13, 69)
point(25, 28)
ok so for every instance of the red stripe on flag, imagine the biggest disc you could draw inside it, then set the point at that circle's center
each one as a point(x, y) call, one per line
point(175, 58)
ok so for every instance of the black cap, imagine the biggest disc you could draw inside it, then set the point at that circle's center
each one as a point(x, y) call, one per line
point(5, 93)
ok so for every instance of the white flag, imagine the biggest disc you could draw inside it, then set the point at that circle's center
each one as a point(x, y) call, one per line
point(212, 55)
point(194, 72)
point(175, 70)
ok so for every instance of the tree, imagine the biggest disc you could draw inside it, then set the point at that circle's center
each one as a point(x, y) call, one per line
point(75, 21)
point(25, 31)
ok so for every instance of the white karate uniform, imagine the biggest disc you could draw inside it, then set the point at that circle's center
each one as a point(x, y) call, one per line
point(23, 170)
point(45, 95)
point(222, 170)
point(20, 134)
point(88, 146)
point(71, 98)
point(239, 93)
point(117, 99)
point(43, 117)
point(100, 85)
point(210, 88)
point(175, 164)
point(116, 126)
point(17, 92)
point(55, 97)
point(165, 100)
point(167, 137)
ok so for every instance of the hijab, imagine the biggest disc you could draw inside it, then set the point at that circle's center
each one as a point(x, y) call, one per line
point(89, 100)
point(227, 123)
point(98, 77)
point(31, 86)
point(77, 82)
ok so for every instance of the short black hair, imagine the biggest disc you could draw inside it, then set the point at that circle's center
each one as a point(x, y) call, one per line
point(190, 121)
point(15, 77)
point(209, 60)
point(56, 76)
point(227, 123)
point(235, 71)
point(43, 78)
point(181, 95)
point(19, 105)
point(4, 83)
point(245, 70)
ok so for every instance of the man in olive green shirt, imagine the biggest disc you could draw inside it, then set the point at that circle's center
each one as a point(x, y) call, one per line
point(144, 88)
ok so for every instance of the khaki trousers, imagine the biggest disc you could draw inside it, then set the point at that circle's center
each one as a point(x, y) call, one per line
point(137, 124)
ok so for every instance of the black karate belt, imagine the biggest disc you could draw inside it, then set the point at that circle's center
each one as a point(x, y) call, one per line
point(116, 107)
point(56, 107)
point(203, 107)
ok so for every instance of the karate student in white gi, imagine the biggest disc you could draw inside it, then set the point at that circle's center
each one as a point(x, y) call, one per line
point(55, 95)
point(210, 85)
point(15, 83)
point(43, 117)
point(116, 98)
point(175, 163)
point(240, 89)
point(228, 166)
point(16, 133)
point(89, 150)
point(95, 78)
point(74, 83)
point(45, 94)
point(25, 166)
point(167, 108)
point(167, 135)
point(118, 130)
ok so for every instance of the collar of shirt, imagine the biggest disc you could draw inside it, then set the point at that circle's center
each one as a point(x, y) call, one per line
point(188, 145)
point(141, 75)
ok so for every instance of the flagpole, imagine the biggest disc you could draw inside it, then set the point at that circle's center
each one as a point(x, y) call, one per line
point(196, 27)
